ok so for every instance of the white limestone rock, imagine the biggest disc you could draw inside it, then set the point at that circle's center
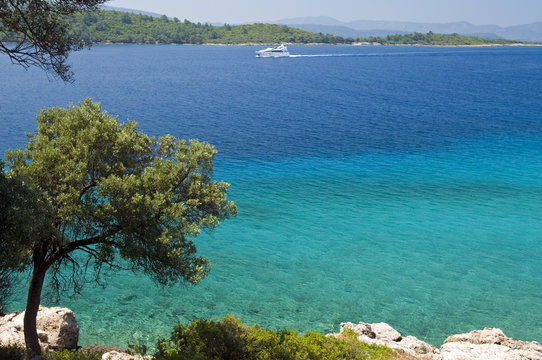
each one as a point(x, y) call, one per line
point(486, 336)
point(385, 332)
point(384, 335)
point(11, 329)
point(115, 355)
point(57, 329)
point(415, 347)
point(489, 344)
point(361, 328)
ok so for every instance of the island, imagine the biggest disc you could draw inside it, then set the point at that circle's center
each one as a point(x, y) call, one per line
point(117, 27)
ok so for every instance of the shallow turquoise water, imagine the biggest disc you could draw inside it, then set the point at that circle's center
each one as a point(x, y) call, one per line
point(434, 244)
point(404, 188)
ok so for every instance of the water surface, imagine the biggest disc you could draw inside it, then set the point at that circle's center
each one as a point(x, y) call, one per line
point(396, 184)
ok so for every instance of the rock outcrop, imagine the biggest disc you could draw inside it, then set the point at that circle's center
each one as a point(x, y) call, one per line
point(115, 355)
point(99, 350)
point(384, 334)
point(57, 329)
point(487, 344)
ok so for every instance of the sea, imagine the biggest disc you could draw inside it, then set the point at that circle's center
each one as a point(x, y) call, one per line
point(376, 184)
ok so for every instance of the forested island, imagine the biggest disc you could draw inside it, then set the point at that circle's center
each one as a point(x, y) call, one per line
point(108, 26)
point(435, 39)
point(122, 27)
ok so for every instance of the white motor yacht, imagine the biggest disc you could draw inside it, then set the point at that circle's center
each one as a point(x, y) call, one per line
point(279, 51)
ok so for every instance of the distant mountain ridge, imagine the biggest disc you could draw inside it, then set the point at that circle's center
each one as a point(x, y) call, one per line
point(132, 11)
point(363, 28)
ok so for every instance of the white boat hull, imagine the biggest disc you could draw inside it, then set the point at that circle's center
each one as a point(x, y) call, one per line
point(278, 52)
point(273, 55)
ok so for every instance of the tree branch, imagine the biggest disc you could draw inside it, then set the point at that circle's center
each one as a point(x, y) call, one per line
point(74, 245)
point(86, 188)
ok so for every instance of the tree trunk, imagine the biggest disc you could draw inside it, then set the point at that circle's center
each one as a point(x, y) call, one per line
point(32, 306)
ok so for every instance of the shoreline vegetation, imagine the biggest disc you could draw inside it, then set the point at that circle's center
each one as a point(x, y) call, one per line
point(230, 339)
point(116, 27)
point(314, 44)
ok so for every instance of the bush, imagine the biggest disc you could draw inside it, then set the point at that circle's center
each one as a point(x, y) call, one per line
point(229, 339)
point(11, 352)
point(70, 355)
point(6, 288)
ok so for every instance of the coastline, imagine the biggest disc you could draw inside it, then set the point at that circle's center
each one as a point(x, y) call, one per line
point(320, 44)
point(62, 332)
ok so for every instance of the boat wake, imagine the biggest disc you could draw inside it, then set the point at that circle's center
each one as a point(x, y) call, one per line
point(281, 51)
point(330, 55)
point(405, 53)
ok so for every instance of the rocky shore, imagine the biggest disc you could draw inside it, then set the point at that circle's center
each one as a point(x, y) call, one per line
point(58, 329)
point(486, 344)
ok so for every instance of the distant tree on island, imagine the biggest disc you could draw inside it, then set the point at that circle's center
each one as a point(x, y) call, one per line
point(112, 26)
point(89, 191)
point(108, 26)
point(433, 39)
point(36, 33)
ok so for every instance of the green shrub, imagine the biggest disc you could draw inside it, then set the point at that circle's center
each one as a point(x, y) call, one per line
point(229, 339)
point(11, 352)
point(70, 355)
point(348, 334)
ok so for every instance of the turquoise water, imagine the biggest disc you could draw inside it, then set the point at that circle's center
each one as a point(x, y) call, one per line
point(402, 185)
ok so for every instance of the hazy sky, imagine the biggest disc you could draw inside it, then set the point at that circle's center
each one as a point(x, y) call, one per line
point(478, 12)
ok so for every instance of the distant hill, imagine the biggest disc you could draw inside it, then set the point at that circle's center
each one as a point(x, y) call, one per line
point(133, 11)
point(345, 31)
point(132, 27)
point(431, 38)
point(108, 26)
point(363, 28)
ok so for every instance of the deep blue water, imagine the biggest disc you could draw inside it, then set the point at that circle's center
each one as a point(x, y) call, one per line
point(394, 184)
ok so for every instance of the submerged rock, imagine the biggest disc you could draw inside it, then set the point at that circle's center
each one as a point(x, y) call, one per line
point(57, 329)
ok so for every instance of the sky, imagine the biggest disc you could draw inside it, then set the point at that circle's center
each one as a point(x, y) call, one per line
point(478, 12)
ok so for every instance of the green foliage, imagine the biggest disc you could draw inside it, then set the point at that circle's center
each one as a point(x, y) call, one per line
point(434, 39)
point(121, 27)
point(139, 348)
point(116, 191)
point(11, 352)
point(19, 203)
point(70, 355)
point(6, 290)
point(88, 183)
point(107, 26)
point(40, 32)
point(349, 334)
point(229, 339)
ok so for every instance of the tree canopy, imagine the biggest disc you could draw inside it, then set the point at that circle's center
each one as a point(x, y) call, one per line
point(434, 39)
point(117, 196)
point(18, 203)
point(121, 27)
point(35, 32)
